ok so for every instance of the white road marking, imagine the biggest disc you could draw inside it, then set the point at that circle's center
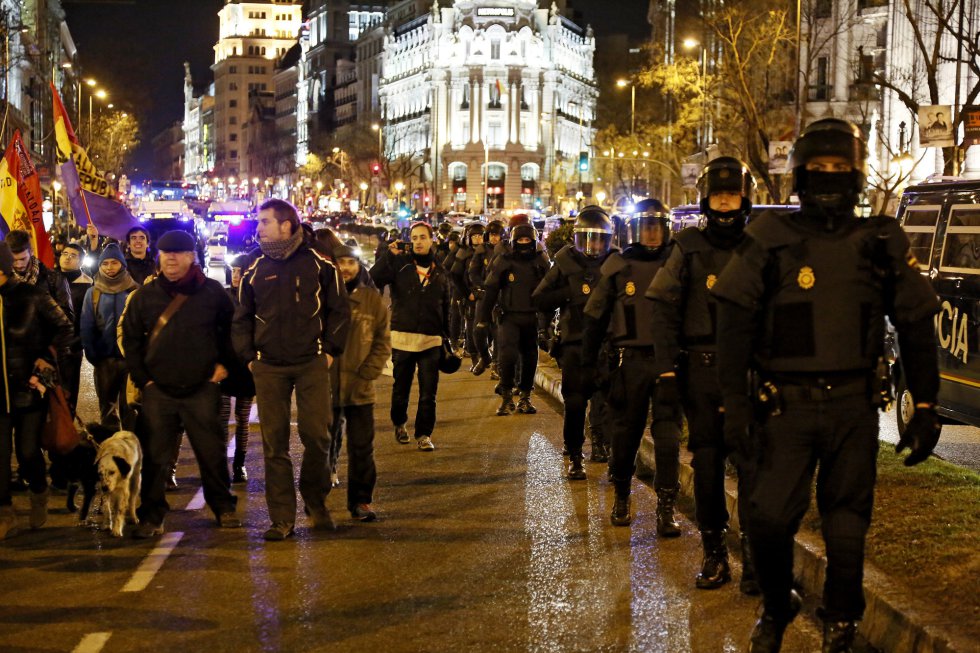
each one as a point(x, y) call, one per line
point(152, 563)
point(197, 502)
point(92, 643)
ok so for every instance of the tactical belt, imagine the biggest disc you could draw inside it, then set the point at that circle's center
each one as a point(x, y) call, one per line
point(790, 392)
point(701, 358)
point(636, 352)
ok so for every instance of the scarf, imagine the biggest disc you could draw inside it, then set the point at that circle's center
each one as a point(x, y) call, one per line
point(71, 275)
point(186, 285)
point(352, 284)
point(280, 250)
point(423, 260)
point(32, 272)
point(114, 285)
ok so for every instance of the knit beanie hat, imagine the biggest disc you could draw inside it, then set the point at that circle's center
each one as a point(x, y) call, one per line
point(112, 251)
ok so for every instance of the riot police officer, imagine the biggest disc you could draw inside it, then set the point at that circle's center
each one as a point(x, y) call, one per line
point(804, 304)
point(477, 274)
point(472, 238)
point(566, 288)
point(619, 305)
point(684, 328)
point(442, 247)
point(511, 280)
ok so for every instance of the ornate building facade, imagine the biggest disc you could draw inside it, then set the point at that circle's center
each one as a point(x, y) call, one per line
point(488, 104)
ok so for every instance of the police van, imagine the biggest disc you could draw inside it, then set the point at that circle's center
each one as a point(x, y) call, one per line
point(942, 221)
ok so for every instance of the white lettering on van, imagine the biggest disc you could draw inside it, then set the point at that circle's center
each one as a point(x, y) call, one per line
point(954, 340)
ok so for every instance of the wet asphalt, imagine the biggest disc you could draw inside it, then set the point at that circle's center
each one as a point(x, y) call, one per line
point(481, 545)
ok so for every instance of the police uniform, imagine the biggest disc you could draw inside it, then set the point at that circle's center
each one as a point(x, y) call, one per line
point(510, 282)
point(478, 266)
point(619, 304)
point(567, 287)
point(461, 285)
point(805, 307)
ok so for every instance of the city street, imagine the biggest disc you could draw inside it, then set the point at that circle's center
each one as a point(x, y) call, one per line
point(481, 546)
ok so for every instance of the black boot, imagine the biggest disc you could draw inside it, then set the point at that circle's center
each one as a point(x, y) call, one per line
point(575, 470)
point(838, 636)
point(715, 571)
point(600, 454)
point(621, 511)
point(506, 402)
point(524, 406)
point(238, 473)
point(749, 584)
point(767, 636)
point(666, 526)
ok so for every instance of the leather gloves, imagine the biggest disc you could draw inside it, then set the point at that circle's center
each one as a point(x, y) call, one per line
point(921, 436)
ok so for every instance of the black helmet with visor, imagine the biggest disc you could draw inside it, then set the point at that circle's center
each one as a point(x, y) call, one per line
point(592, 234)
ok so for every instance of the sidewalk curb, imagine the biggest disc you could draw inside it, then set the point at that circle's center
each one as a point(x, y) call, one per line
point(890, 622)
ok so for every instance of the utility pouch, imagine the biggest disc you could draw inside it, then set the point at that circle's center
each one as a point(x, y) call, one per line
point(768, 401)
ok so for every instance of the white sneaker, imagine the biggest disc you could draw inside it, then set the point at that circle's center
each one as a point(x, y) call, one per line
point(425, 443)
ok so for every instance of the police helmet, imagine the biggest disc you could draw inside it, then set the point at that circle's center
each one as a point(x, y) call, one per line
point(523, 231)
point(649, 213)
point(593, 232)
point(495, 228)
point(444, 230)
point(394, 234)
point(472, 229)
point(830, 137)
point(726, 174)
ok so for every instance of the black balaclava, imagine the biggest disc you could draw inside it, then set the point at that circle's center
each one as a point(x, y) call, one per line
point(828, 198)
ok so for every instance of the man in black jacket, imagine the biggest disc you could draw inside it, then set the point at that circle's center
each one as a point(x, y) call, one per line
point(140, 259)
point(29, 268)
point(291, 323)
point(176, 338)
point(419, 322)
point(31, 323)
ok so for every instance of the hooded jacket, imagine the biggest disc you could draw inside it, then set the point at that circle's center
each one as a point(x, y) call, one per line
point(366, 351)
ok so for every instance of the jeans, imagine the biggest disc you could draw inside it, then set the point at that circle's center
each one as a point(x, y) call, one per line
point(358, 422)
point(274, 387)
point(404, 364)
point(25, 426)
point(163, 418)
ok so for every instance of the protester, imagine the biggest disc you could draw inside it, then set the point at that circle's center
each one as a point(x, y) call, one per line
point(419, 322)
point(179, 377)
point(291, 324)
point(140, 260)
point(93, 244)
point(78, 284)
point(102, 310)
point(352, 379)
point(29, 268)
point(32, 325)
point(239, 386)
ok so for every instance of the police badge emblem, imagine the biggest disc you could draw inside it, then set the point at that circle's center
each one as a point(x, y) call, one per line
point(711, 279)
point(630, 288)
point(586, 289)
point(510, 277)
point(806, 279)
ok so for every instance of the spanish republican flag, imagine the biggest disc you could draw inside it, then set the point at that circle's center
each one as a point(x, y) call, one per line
point(21, 199)
point(69, 148)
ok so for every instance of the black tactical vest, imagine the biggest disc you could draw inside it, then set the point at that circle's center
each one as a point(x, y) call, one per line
point(519, 278)
point(632, 318)
point(581, 274)
point(704, 263)
point(825, 311)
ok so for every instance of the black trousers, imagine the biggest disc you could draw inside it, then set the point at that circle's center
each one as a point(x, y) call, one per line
point(469, 321)
point(24, 427)
point(517, 340)
point(632, 391)
point(579, 391)
point(71, 375)
point(455, 318)
point(163, 418)
point(110, 387)
point(358, 423)
point(404, 364)
point(841, 437)
point(701, 396)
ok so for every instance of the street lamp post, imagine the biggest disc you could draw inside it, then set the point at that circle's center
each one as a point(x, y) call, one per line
point(623, 83)
point(690, 44)
point(101, 94)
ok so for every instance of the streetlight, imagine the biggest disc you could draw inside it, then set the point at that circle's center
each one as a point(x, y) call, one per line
point(102, 95)
point(399, 186)
point(690, 44)
point(623, 83)
point(600, 197)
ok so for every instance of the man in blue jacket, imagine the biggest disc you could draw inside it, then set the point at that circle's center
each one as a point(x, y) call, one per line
point(291, 323)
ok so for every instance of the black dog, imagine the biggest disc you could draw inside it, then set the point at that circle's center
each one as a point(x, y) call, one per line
point(78, 467)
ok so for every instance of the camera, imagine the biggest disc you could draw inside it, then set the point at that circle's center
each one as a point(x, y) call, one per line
point(404, 247)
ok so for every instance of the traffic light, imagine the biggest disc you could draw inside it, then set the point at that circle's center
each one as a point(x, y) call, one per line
point(376, 169)
point(583, 161)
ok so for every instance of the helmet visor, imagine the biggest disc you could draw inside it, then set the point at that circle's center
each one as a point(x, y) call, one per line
point(592, 242)
point(649, 230)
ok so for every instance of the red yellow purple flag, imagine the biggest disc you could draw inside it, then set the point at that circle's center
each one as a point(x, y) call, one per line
point(21, 198)
point(69, 148)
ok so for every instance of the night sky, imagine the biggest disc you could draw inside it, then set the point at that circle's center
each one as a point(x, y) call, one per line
point(136, 50)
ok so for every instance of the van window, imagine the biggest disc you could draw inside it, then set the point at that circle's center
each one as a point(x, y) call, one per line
point(920, 226)
point(961, 249)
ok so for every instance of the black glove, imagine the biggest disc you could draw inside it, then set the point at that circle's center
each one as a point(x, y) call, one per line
point(921, 436)
point(739, 416)
point(667, 393)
